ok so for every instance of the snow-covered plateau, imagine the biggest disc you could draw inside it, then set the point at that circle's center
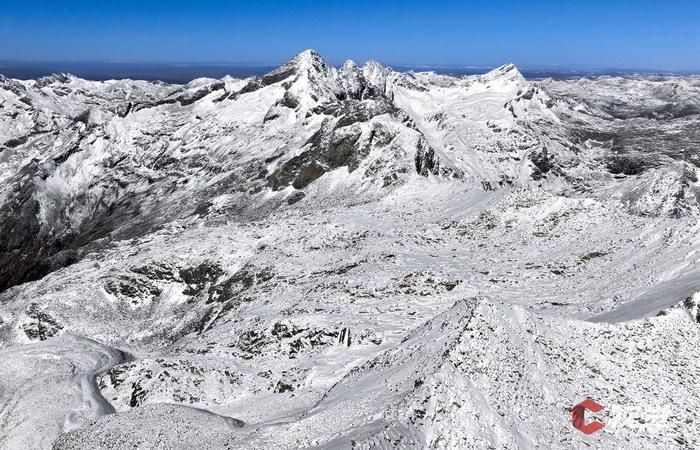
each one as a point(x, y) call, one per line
point(349, 258)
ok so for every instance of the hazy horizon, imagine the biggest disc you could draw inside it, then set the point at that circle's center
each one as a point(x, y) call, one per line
point(183, 72)
point(631, 35)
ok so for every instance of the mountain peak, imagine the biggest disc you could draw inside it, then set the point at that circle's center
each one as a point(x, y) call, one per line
point(506, 72)
point(308, 59)
point(373, 65)
point(59, 77)
point(308, 53)
point(509, 69)
point(307, 62)
point(349, 65)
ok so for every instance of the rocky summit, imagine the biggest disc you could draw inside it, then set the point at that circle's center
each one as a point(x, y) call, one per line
point(349, 257)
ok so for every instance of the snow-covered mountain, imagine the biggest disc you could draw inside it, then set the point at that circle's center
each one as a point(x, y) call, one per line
point(351, 257)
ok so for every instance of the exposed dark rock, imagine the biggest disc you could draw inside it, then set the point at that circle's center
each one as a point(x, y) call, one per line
point(693, 308)
point(271, 114)
point(581, 135)
point(199, 276)
point(43, 326)
point(31, 249)
point(157, 271)
point(123, 109)
point(351, 111)
point(589, 256)
point(489, 185)
point(344, 337)
point(137, 395)
point(328, 149)
point(390, 179)
point(289, 100)
point(278, 75)
point(428, 162)
point(281, 330)
point(626, 164)
point(341, 270)
point(239, 282)
point(189, 98)
point(250, 343)
point(54, 78)
point(295, 197)
point(132, 288)
point(251, 86)
point(283, 387)
point(206, 320)
point(16, 142)
point(63, 157)
point(543, 163)
point(23, 247)
point(425, 160)
point(83, 117)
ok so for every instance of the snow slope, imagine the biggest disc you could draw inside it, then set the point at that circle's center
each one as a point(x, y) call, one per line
point(49, 387)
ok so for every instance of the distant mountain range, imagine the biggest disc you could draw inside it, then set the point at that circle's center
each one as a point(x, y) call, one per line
point(186, 72)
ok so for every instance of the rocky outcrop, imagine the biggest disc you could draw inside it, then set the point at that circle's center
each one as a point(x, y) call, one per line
point(427, 161)
point(329, 148)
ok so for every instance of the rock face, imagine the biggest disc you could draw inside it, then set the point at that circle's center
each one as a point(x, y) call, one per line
point(407, 251)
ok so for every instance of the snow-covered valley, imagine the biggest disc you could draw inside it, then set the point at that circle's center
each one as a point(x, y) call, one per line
point(349, 258)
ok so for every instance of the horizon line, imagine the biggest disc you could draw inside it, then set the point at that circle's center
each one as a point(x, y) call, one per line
point(338, 63)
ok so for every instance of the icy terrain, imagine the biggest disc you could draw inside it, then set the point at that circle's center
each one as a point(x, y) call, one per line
point(349, 258)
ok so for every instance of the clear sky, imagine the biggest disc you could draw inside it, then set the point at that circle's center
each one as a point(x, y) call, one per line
point(569, 33)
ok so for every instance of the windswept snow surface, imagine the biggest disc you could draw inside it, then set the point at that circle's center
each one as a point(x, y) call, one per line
point(349, 258)
point(49, 387)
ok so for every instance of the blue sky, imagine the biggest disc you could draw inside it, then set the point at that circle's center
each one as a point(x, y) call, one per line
point(591, 33)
